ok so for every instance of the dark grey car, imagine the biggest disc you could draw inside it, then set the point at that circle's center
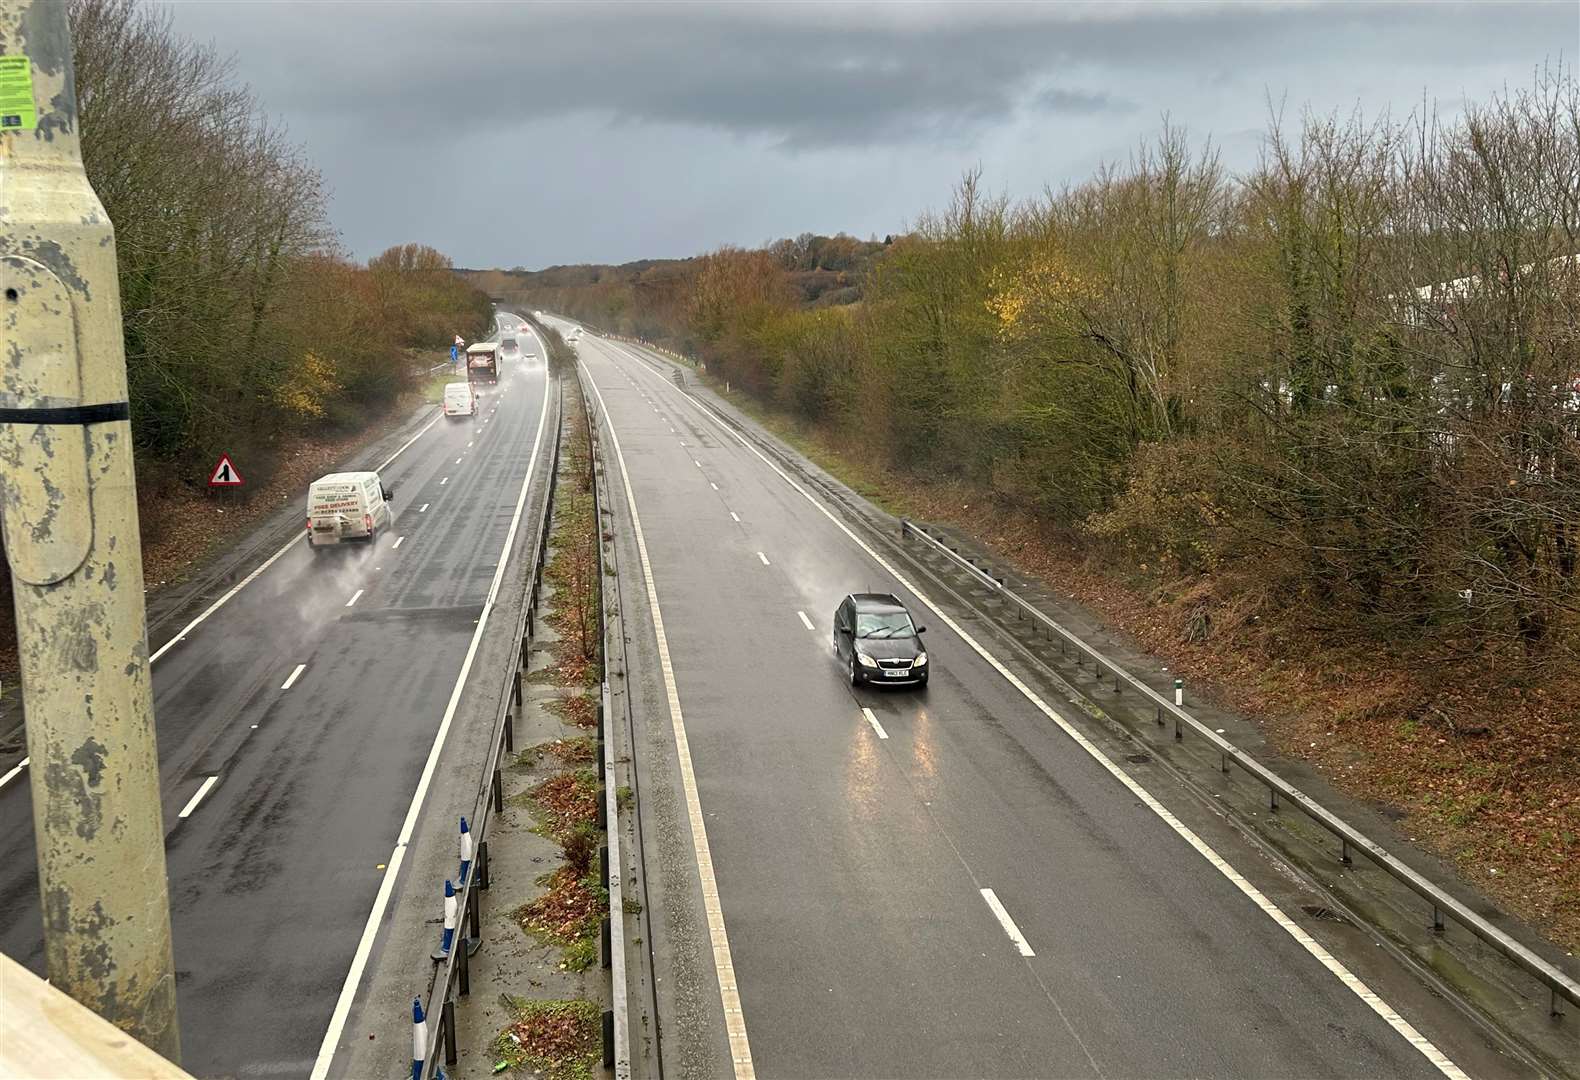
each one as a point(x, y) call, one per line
point(877, 642)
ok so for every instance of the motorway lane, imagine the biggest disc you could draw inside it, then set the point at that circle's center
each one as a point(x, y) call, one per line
point(851, 866)
point(274, 871)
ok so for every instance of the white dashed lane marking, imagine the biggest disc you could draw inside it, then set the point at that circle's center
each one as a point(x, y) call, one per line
point(291, 679)
point(186, 811)
point(1007, 923)
point(873, 720)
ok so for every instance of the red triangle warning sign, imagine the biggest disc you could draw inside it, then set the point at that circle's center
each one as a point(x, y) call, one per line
point(224, 474)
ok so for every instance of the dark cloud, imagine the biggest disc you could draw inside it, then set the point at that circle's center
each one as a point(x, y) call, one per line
point(1080, 102)
point(402, 103)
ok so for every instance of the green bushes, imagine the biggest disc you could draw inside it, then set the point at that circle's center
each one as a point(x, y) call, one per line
point(1345, 381)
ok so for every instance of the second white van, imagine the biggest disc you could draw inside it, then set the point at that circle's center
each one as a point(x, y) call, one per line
point(459, 399)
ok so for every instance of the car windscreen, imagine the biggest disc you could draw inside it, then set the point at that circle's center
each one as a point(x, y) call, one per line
point(883, 624)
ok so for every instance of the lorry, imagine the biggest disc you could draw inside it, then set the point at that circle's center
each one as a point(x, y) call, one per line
point(482, 363)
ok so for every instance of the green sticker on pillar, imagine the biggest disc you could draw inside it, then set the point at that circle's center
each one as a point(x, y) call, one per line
point(17, 110)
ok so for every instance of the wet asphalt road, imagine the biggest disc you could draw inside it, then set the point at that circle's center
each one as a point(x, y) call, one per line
point(275, 870)
point(851, 865)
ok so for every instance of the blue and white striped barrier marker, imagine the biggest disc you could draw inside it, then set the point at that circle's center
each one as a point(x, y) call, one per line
point(419, 1039)
point(449, 917)
point(466, 850)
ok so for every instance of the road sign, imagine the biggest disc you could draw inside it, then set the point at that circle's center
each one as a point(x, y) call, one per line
point(224, 474)
point(459, 341)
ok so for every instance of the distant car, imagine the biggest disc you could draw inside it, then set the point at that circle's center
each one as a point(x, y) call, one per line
point(460, 399)
point(347, 508)
point(508, 349)
point(877, 642)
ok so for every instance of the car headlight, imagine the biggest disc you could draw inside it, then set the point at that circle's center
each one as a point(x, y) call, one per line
point(921, 659)
point(866, 661)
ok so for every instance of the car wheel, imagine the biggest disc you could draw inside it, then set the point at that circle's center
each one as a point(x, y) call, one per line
point(855, 672)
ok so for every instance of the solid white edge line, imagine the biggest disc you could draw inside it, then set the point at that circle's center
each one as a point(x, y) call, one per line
point(192, 803)
point(15, 770)
point(1007, 923)
point(724, 966)
point(1352, 982)
point(806, 621)
point(290, 680)
point(355, 597)
point(399, 540)
point(348, 991)
point(873, 720)
point(763, 557)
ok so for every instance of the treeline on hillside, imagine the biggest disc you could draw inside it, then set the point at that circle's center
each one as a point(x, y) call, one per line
point(650, 298)
point(1340, 389)
point(245, 327)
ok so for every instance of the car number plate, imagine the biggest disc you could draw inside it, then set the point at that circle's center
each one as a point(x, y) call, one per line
point(897, 673)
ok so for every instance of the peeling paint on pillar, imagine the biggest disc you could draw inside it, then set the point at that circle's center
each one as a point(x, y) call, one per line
point(68, 495)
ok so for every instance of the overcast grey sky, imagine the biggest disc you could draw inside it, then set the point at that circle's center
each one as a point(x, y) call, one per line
point(532, 134)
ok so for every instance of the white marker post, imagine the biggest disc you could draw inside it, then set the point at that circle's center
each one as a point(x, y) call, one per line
point(1179, 692)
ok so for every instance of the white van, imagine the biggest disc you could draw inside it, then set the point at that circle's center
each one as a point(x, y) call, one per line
point(459, 399)
point(347, 508)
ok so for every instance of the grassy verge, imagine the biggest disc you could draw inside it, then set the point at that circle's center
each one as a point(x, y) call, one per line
point(565, 805)
point(573, 573)
point(560, 1040)
point(433, 389)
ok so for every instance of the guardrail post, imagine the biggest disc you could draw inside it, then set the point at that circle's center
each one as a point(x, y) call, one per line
point(1344, 850)
point(499, 793)
point(608, 1039)
point(603, 866)
point(447, 1024)
point(1437, 919)
point(608, 949)
point(482, 865)
point(464, 956)
point(1272, 799)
